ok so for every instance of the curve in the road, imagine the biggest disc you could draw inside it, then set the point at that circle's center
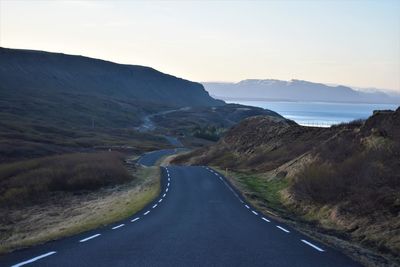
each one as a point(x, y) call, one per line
point(198, 220)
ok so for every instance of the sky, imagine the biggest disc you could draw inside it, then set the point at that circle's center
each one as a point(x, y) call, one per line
point(354, 43)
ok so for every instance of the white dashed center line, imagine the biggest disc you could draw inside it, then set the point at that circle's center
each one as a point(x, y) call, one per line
point(134, 220)
point(312, 245)
point(166, 190)
point(154, 206)
point(247, 206)
point(168, 184)
point(255, 213)
point(265, 219)
point(147, 212)
point(88, 238)
point(34, 259)
point(283, 229)
point(118, 226)
point(160, 200)
point(164, 195)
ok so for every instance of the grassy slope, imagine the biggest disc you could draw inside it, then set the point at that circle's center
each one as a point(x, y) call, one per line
point(346, 184)
point(64, 213)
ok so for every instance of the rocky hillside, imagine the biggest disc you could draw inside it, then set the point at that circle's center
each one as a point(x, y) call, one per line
point(344, 179)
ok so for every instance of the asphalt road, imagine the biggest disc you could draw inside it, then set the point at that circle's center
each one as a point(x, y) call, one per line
point(198, 220)
point(150, 158)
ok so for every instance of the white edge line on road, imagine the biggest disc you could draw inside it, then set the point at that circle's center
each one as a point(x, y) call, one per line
point(134, 220)
point(283, 229)
point(118, 226)
point(247, 206)
point(88, 238)
point(154, 206)
point(147, 212)
point(164, 195)
point(255, 213)
point(34, 259)
point(265, 219)
point(312, 245)
point(160, 200)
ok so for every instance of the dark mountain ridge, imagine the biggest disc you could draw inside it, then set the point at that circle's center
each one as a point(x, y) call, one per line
point(28, 71)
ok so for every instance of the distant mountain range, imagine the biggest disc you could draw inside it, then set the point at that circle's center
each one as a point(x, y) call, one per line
point(294, 90)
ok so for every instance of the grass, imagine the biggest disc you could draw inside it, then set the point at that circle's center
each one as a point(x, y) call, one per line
point(259, 189)
point(67, 214)
point(32, 181)
point(270, 196)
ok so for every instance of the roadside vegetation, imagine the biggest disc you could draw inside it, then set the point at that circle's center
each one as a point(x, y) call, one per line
point(49, 198)
point(32, 181)
point(340, 184)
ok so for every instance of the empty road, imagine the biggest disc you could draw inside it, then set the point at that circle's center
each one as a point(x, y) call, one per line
point(198, 220)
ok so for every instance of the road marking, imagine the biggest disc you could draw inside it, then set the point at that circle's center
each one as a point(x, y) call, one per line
point(160, 200)
point(34, 259)
point(166, 190)
point(134, 220)
point(312, 245)
point(168, 184)
point(255, 213)
point(265, 219)
point(147, 212)
point(169, 179)
point(164, 195)
point(247, 206)
point(241, 200)
point(283, 229)
point(118, 226)
point(154, 206)
point(88, 238)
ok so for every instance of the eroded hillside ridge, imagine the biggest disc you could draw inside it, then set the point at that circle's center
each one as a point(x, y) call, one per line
point(346, 178)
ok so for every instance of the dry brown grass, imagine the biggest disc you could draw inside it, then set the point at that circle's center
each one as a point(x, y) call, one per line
point(68, 213)
point(32, 181)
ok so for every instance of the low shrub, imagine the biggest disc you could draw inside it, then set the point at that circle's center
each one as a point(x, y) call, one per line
point(31, 181)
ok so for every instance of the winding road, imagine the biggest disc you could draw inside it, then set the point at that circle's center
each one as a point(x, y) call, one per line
point(198, 220)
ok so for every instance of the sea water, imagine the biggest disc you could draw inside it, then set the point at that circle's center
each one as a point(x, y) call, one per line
point(322, 114)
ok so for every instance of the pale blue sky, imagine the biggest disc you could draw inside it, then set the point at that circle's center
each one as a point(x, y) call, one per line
point(344, 42)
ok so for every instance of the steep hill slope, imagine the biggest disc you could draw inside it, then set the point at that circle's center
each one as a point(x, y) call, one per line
point(344, 180)
point(33, 72)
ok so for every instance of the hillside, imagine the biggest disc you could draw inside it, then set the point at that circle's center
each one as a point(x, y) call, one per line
point(343, 180)
point(294, 90)
point(38, 72)
point(54, 103)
